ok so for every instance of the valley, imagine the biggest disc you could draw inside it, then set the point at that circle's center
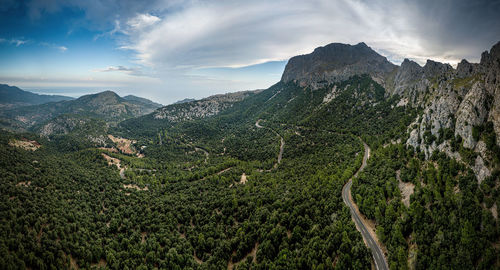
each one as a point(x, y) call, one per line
point(348, 162)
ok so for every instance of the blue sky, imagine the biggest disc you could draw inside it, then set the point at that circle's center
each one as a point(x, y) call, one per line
point(170, 50)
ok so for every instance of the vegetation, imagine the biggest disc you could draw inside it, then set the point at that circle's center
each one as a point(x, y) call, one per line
point(445, 226)
point(209, 193)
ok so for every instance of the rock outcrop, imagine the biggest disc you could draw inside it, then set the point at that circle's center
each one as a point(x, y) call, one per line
point(472, 112)
point(200, 108)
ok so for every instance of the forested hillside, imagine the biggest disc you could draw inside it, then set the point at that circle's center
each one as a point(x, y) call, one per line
point(208, 193)
point(252, 182)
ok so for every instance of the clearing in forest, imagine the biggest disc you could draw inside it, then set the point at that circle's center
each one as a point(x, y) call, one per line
point(124, 145)
point(25, 144)
point(136, 187)
point(406, 189)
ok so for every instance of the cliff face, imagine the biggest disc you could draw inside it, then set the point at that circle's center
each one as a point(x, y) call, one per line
point(336, 62)
point(462, 102)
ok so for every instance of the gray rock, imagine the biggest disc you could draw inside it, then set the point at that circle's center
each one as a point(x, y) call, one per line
point(336, 62)
point(472, 112)
point(465, 69)
point(200, 108)
point(480, 170)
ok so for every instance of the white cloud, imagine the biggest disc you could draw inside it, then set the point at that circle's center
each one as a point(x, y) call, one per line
point(54, 46)
point(15, 41)
point(228, 33)
point(238, 34)
point(142, 21)
point(123, 69)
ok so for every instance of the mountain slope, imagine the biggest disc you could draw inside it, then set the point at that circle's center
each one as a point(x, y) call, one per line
point(142, 100)
point(453, 111)
point(11, 96)
point(209, 191)
point(461, 109)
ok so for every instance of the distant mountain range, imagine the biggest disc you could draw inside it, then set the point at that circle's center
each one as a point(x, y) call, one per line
point(184, 100)
point(107, 106)
point(11, 96)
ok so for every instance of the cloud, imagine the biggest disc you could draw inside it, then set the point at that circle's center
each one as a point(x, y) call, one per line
point(19, 42)
point(54, 46)
point(123, 69)
point(141, 21)
point(15, 41)
point(192, 34)
point(190, 44)
point(226, 33)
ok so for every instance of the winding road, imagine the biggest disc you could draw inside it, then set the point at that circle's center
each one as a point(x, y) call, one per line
point(368, 236)
point(377, 253)
point(282, 145)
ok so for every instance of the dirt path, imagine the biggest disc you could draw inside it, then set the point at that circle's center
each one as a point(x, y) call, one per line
point(117, 163)
point(231, 265)
point(204, 152)
point(363, 225)
point(282, 142)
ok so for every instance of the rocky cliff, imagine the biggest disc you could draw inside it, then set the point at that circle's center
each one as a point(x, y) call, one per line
point(336, 62)
point(461, 109)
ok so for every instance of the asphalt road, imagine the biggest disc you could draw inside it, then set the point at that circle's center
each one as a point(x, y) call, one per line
point(378, 255)
point(282, 142)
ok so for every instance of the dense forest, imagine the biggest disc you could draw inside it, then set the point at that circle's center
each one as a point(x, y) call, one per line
point(212, 193)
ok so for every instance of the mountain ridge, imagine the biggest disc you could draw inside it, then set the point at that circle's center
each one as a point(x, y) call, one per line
point(12, 96)
point(106, 105)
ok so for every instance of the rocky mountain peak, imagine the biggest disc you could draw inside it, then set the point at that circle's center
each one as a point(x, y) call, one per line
point(433, 68)
point(465, 69)
point(409, 72)
point(488, 58)
point(336, 62)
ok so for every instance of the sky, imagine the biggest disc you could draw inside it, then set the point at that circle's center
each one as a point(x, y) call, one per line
point(167, 50)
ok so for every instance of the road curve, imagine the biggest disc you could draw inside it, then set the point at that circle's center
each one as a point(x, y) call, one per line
point(378, 255)
point(282, 142)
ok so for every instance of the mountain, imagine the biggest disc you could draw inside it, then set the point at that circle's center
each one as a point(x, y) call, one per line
point(200, 108)
point(461, 101)
point(184, 100)
point(336, 62)
point(433, 131)
point(11, 96)
point(458, 104)
point(105, 105)
point(255, 180)
point(142, 100)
